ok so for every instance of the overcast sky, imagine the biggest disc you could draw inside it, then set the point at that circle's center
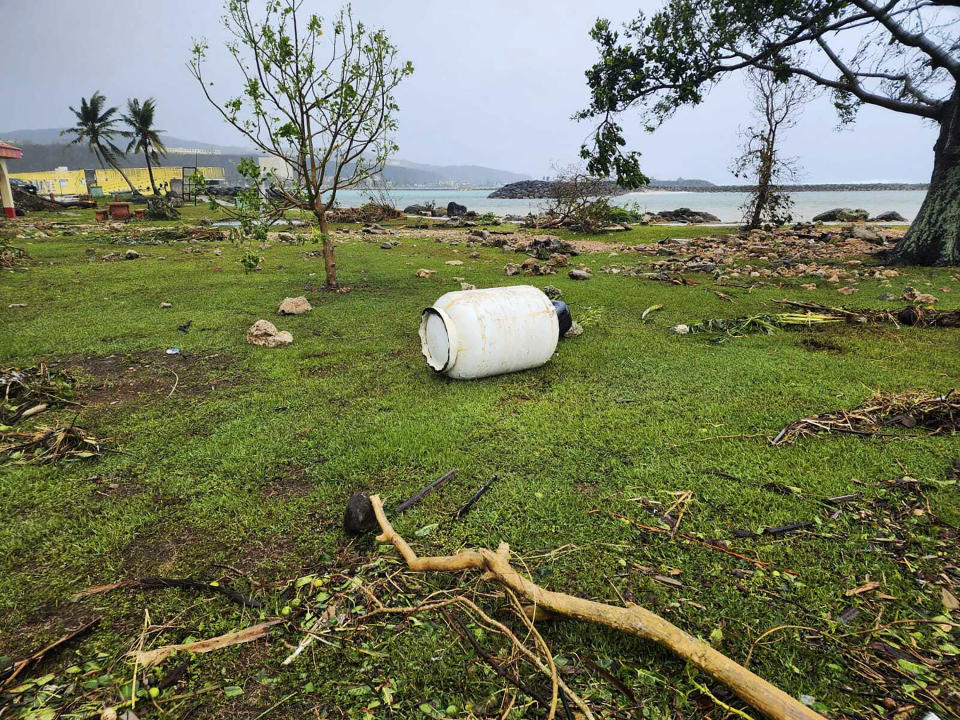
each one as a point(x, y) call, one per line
point(496, 82)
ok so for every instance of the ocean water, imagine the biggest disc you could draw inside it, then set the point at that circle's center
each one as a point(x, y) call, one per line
point(725, 205)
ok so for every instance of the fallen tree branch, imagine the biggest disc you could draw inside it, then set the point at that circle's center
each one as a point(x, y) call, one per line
point(146, 658)
point(633, 620)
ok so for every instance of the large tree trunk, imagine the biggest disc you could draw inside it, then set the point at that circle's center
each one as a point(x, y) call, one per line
point(329, 263)
point(934, 236)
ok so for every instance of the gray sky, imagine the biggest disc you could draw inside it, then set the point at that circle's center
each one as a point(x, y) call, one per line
point(496, 82)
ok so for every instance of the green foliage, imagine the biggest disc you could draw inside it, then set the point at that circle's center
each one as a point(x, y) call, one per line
point(96, 126)
point(160, 207)
point(144, 136)
point(903, 61)
point(250, 260)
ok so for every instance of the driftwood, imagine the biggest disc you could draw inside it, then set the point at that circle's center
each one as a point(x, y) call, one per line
point(633, 620)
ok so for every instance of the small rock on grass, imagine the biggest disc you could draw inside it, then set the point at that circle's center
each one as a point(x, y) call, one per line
point(911, 294)
point(467, 286)
point(131, 255)
point(680, 329)
point(294, 306)
point(579, 274)
point(809, 286)
point(847, 290)
point(166, 305)
point(16, 305)
point(576, 330)
point(424, 273)
point(265, 334)
point(553, 292)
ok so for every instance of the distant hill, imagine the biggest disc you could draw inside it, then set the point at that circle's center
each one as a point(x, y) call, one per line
point(474, 175)
point(46, 149)
point(51, 136)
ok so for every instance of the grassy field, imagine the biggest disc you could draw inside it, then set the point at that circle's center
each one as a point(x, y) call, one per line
point(235, 464)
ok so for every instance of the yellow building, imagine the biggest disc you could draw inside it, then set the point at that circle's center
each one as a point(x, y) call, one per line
point(77, 182)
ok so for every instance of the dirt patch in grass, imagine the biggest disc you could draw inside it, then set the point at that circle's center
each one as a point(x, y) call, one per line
point(112, 379)
point(818, 343)
point(48, 622)
point(163, 549)
point(289, 482)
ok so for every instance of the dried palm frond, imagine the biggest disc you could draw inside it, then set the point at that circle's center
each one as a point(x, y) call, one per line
point(31, 390)
point(910, 409)
point(51, 444)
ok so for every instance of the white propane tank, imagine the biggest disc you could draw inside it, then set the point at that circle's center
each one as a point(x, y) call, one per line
point(472, 334)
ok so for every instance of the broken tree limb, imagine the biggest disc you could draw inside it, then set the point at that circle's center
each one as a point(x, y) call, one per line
point(146, 658)
point(634, 620)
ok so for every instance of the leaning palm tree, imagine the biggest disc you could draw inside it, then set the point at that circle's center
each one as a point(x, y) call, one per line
point(96, 127)
point(144, 137)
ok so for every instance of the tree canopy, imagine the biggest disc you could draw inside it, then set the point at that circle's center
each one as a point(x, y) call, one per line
point(902, 55)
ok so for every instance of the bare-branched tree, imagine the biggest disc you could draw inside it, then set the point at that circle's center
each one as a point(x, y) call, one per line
point(900, 55)
point(319, 97)
point(578, 201)
point(776, 106)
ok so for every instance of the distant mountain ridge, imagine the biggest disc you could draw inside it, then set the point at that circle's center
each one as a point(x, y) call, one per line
point(46, 149)
point(51, 136)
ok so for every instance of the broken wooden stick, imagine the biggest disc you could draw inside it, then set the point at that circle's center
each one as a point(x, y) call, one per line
point(147, 658)
point(473, 499)
point(409, 503)
point(633, 620)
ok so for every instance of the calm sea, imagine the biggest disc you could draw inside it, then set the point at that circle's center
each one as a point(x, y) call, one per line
point(725, 205)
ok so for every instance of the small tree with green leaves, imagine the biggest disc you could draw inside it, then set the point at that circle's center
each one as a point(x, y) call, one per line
point(317, 96)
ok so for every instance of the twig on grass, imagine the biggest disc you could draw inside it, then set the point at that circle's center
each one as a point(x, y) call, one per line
point(410, 502)
point(473, 499)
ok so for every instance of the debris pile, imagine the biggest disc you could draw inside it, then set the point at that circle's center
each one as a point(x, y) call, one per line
point(50, 444)
point(368, 213)
point(29, 202)
point(32, 390)
point(834, 255)
point(910, 409)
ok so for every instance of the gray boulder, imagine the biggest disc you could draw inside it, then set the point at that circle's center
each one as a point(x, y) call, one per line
point(889, 216)
point(456, 209)
point(842, 215)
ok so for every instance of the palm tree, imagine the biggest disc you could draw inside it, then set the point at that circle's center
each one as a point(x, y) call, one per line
point(96, 127)
point(144, 137)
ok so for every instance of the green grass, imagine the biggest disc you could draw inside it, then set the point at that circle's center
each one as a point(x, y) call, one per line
point(250, 460)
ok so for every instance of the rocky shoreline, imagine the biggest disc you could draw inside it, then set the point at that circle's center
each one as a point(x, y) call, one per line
point(539, 189)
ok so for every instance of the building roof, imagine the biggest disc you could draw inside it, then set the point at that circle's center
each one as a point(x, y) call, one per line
point(9, 152)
